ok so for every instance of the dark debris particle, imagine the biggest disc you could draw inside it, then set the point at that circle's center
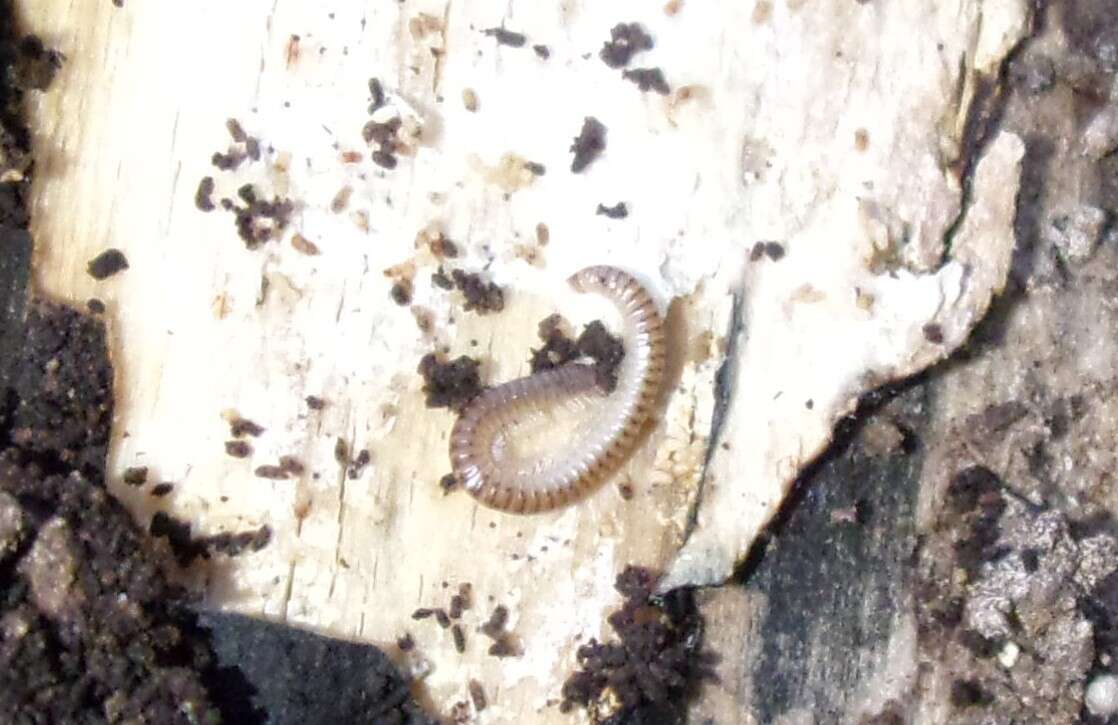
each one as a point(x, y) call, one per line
point(506, 37)
point(252, 148)
point(241, 427)
point(968, 693)
point(459, 638)
point(620, 210)
point(177, 533)
point(230, 544)
point(162, 489)
point(481, 296)
point(505, 646)
point(542, 51)
point(401, 292)
point(238, 449)
point(626, 39)
point(595, 342)
point(357, 466)
point(589, 144)
point(405, 643)
point(443, 248)
point(648, 79)
point(203, 197)
point(106, 264)
point(933, 333)
point(456, 606)
point(442, 280)
point(448, 483)
point(95, 306)
point(136, 476)
point(757, 252)
point(495, 625)
point(271, 472)
point(477, 694)
point(652, 668)
point(227, 161)
point(384, 159)
point(259, 220)
point(535, 167)
point(975, 497)
point(558, 349)
point(315, 403)
point(774, 251)
point(376, 95)
point(605, 350)
point(382, 134)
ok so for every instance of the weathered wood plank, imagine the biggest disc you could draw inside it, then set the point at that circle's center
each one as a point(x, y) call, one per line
point(779, 136)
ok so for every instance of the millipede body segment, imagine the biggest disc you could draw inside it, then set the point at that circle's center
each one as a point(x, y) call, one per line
point(485, 447)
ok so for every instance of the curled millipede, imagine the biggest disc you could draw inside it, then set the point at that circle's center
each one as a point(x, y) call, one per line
point(483, 450)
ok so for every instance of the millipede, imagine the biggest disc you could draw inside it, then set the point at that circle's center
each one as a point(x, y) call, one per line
point(483, 449)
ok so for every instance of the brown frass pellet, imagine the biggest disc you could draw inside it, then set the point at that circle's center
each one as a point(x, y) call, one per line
point(456, 607)
point(292, 465)
point(933, 333)
point(240, 427)
point(95, 306)
point(503, 647)
point(422, 613)
point(106, 264)
point(497, 621)
point(235, 131)
point(405, 643)
point(442, 618)
point(202, 198)
point(275, 473)
point(477, 694)
point(315, 403)
point(136, 476)
point(589, 144)
point(227, 162)
point(459, 638)
point(376, 93)
point(506, 37)
point(757, 252)
point(341, 451)
point(162, 489)
point(542, 51)
point(252, 148)
point(238, 449)
point(401, 292)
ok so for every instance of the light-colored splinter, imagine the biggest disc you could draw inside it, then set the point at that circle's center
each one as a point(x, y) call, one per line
point(479, 449)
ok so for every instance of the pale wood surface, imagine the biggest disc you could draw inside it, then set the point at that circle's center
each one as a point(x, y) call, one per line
point(771, 144)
